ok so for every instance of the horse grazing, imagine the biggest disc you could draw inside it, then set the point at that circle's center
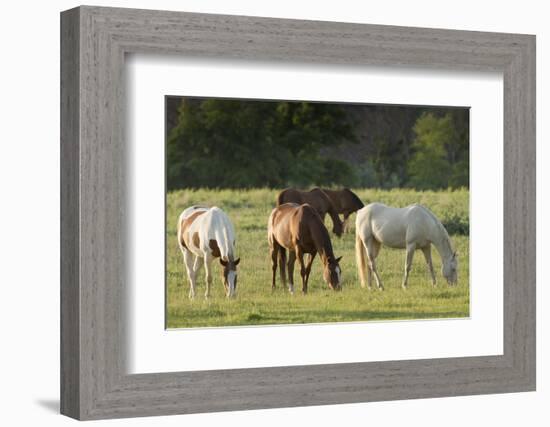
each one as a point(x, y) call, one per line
point(345, 202)
point(317, 199)
point(413, 227)
point(299, 229)
point(204, 234)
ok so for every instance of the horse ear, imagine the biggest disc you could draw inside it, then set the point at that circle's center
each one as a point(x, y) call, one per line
point(237, 261)
point(222, 262)
point(338, 259)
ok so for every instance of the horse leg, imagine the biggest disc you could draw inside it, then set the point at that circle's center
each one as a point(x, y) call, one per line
point(300, 257)
point(274, 257)
point(282, 265)
point(308, 266)
point(208, 272)
point(369, 278)
point(427, 251)
point(345, 223)
point(373, 248)
point(188, 260)
point(360, 257)
point(307, 258)
point(197, 265)
point(290, 268)
point(408, 263)
point(375, 251)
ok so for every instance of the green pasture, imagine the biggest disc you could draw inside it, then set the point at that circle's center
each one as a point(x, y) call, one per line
point(256, 304)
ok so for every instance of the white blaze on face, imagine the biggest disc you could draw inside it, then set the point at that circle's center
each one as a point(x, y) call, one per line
point(231, 275)
point(339, 273)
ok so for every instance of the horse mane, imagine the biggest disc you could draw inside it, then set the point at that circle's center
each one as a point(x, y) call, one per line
point(332, 209)
point(228, 250)
point(322, 238)
point(320, 190)
point(439, 225)
point(280, 197)
point(355, 198)
point(226, 245)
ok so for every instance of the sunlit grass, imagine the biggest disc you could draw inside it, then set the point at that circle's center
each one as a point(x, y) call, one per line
point(256, 304)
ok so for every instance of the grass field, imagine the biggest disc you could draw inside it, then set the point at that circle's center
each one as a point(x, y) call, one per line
point(255, 303)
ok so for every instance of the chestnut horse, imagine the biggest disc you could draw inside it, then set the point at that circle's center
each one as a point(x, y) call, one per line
point(345, 202)
point(299, 229)
point(317, 199)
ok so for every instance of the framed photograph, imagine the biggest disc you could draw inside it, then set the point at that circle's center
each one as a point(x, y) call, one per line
point(261, 213)
point(245, 162)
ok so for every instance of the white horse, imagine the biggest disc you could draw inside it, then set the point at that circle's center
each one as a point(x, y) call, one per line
point(413, 227)
point(204, 234)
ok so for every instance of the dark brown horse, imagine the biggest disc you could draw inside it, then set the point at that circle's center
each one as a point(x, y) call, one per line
point(345, 202)
point(299, 229)
point(317, 199)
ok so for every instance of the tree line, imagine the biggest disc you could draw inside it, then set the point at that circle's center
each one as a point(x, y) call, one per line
point(242, 144)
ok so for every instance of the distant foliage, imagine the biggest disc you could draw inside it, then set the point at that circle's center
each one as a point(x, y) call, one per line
point(243, 144)
point(440, 154)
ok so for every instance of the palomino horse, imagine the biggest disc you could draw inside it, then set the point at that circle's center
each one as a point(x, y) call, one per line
point(299, 229)
point(345, 202)
point(317, 199)
point(410, 228)
point(204, 234)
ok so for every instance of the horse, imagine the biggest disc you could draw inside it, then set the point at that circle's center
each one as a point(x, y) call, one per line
point(345, 202)
point(317, 199)
point(204, 234)
point(413, 227)
point(299, 229)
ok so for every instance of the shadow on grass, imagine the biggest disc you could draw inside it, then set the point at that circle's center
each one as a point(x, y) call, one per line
point(317, 317)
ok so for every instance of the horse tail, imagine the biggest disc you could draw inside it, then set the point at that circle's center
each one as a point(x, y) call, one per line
point(360, 258)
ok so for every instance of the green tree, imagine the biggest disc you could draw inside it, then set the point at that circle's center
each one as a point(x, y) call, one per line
point(242, 144)
point(440, 152)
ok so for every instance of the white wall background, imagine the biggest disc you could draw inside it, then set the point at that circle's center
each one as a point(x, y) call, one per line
point(29, 212)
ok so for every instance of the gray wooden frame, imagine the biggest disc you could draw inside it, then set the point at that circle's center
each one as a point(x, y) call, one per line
point(94, 382)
